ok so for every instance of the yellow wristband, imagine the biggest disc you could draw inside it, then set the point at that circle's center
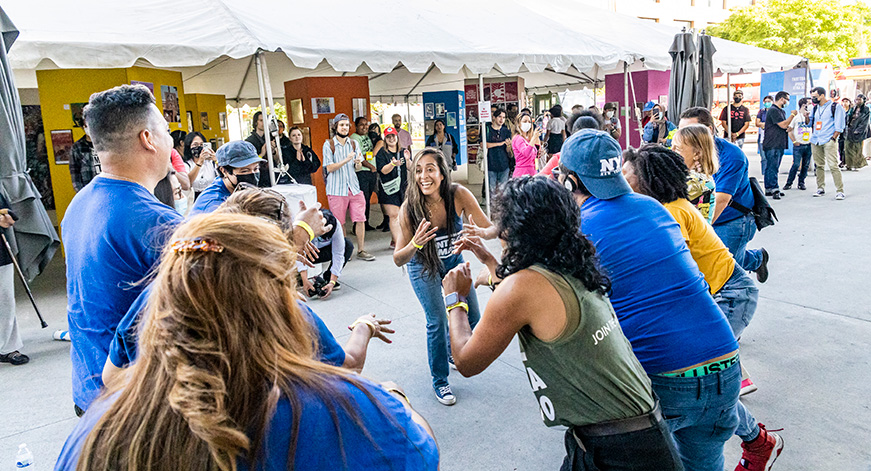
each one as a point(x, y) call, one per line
point(400, 394)
point(414, 243)
point(364, 321)
point(460, 304)
point(304, 225)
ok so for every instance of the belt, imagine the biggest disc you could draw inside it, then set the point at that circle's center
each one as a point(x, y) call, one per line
point(616, 427)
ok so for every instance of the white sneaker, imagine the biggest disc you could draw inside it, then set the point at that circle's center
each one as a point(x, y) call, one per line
point(840, 195)
point(820, 192)
point(445, 396)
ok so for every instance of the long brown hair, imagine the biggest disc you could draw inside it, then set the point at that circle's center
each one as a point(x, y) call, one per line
point(223, 340)
point(414, 208)
point(699, 137)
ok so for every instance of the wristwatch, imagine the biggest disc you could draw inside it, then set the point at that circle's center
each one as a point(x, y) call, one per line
point(452, 299)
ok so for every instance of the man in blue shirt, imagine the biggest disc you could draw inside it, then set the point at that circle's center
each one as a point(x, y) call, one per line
point(735, 227)
point(238, 162)
point(676, 329)
point(114, 228)
point(828, 123)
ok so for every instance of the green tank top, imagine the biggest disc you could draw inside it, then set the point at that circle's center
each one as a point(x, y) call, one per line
point(588, 374)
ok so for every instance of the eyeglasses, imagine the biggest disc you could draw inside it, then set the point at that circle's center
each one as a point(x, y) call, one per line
point(247, 186)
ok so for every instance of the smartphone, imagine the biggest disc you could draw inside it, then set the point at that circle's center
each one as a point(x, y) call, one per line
point(207, 145)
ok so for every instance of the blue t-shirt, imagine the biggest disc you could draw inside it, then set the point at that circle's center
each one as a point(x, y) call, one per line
point(113, 233)
point(125, 344)
point(657, 291)
point(732, 179)
point(399, 442)
point(212, 197)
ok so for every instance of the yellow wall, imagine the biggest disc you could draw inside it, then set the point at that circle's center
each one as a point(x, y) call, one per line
point(211, 104)
point(61, 87)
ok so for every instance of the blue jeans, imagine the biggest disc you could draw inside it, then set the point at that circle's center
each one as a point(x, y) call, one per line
point(762, 161)
point(772, 158)
point(428, 288)
point(735, 234)
point(801, 160)
point(737, 299)
point(497, 179)
point(701, 414)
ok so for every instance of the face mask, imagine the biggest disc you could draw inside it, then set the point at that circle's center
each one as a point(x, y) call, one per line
point(341, 135)
point(525, 127)
point(766, 105)
point(657, 115)
point(738, 99)
point(250, 178)
point(181, 206)
point(609, 114)
point(373, 135)
point(815, 100)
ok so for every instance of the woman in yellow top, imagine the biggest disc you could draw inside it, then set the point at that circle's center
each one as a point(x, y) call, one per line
point(662, 174)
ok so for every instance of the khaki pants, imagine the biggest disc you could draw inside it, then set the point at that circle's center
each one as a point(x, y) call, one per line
point(823, 155)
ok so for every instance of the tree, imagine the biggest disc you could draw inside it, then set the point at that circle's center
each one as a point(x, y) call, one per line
point(820, 30)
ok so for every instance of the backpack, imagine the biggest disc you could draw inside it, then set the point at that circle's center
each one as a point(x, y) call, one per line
point(333, 151)
point(763, 213)
point(814, 113)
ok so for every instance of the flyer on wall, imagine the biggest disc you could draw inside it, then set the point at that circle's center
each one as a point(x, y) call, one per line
point(169, 96)
point(61, 143)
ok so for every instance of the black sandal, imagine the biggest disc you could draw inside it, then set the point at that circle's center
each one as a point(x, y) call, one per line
point(15, 358)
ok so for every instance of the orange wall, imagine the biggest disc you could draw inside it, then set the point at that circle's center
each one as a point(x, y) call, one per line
point(343, 90)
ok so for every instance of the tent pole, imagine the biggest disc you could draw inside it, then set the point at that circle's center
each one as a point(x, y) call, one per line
point(626, 99)
point(264, 109)
point(634, 100)
point(239, 114)
point(273, 117)
point(729, 104)
point(483, 139)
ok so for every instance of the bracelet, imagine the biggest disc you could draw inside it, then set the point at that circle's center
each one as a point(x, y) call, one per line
point(460, 304)
point(414, 243)
point(491, 284)
point(400, 394)
point(198, 165)
point(304, 225)
point(364, 321)
point(332, 282)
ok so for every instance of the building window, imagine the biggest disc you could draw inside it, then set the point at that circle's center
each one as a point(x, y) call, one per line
point(685, 23)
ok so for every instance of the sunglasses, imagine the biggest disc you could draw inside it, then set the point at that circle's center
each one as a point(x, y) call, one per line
point(247, 186)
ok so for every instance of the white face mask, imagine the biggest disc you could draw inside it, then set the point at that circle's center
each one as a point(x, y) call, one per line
point(609, 114)
point(182, 205)
point(525, 127)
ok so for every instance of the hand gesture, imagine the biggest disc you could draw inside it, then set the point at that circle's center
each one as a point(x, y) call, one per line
point(424, 233)
point(328, 290)
point(458, 280)
point(406, 155)
point(794, 112)
point(396, 162)
point(476, 246)
point(308, 253)
point(508, 142)
point(483, 278)
point(307, 286)
point(6, 220)
point(380, 327)
point(472, 230)
point(314, 218)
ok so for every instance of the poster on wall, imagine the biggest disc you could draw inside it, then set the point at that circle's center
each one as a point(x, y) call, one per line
point(78, 116)
point(296, 112)
point(511, 91)
point(148, 85)
point(428, 112)
point(37, 153)
point(440, 110)
point(222, 118)
point(169, 96)
point(204, 120)
point(323, 105)
point(497, 92)
point(452, 119)
point(471, 94)
point(190, 116)
point(359, 108)
point(62, 142)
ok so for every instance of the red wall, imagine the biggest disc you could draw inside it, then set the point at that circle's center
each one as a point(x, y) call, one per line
point(342, 90)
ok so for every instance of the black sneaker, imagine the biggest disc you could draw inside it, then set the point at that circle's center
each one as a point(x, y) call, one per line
point(15, 358)
point(769, 193)
point(776, 195)
point(788, 186)
point(801, 186)
point(337, 286)
point(762, 271)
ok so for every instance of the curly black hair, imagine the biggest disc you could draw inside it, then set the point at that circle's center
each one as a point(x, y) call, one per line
point(540, 223)
point(662, 173)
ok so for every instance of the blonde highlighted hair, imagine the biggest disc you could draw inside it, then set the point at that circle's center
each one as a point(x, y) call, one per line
point(699, 138)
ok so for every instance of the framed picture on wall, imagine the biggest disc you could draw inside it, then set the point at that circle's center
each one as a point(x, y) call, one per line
point(62, 143)
point(359, 105)
point(222, 117)
point(78, 116)
point(169, 96)
point(204, 120)
point(190, 115)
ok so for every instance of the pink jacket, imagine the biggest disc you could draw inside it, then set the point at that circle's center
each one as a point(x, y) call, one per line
point(524, 156)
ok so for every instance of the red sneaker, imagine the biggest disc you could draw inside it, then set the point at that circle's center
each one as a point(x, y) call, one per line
point(760, 454)
point(747, 387)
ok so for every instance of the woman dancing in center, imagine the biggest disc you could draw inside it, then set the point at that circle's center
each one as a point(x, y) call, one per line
point(430, 222)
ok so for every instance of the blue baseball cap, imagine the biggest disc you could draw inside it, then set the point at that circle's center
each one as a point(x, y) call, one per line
point(649, 105)
point(597, 159)
point(237, 154)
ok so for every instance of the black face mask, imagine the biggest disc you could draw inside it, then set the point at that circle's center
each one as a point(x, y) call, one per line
point(250, 178)
point(341, 135)
point(815, 100)
point(738, 99)
point(373, 136)
point(195, 151)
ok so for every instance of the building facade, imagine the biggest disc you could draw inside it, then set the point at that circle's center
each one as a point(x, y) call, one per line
point(697, 14)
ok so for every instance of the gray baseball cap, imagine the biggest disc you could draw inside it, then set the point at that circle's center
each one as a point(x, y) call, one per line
point(237, 154)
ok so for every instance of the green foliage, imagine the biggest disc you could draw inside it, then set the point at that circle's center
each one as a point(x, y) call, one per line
point(820, 30)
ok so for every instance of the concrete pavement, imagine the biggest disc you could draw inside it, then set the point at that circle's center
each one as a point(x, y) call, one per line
point(806, 349)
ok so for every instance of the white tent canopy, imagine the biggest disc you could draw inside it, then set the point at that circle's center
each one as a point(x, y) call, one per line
point(402, 47)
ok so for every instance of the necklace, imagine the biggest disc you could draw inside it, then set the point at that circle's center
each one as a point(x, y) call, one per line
point(118, 177)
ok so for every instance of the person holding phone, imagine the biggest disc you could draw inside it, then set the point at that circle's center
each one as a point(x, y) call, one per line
point(391, 163)
point(10, 339)
point(199, 158)
point(526, 146)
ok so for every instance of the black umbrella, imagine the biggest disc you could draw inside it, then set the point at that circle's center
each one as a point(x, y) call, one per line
point(33, 238)
point(682, 83)
point(704, 91)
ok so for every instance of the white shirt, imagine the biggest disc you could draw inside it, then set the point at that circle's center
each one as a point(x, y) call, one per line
point(208, 173)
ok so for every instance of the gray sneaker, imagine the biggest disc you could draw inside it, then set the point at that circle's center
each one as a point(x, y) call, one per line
point(840, 195)
point(364, 255)
point(820, 192)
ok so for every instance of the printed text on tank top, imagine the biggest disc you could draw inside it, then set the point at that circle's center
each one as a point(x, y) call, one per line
point(445, 239)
